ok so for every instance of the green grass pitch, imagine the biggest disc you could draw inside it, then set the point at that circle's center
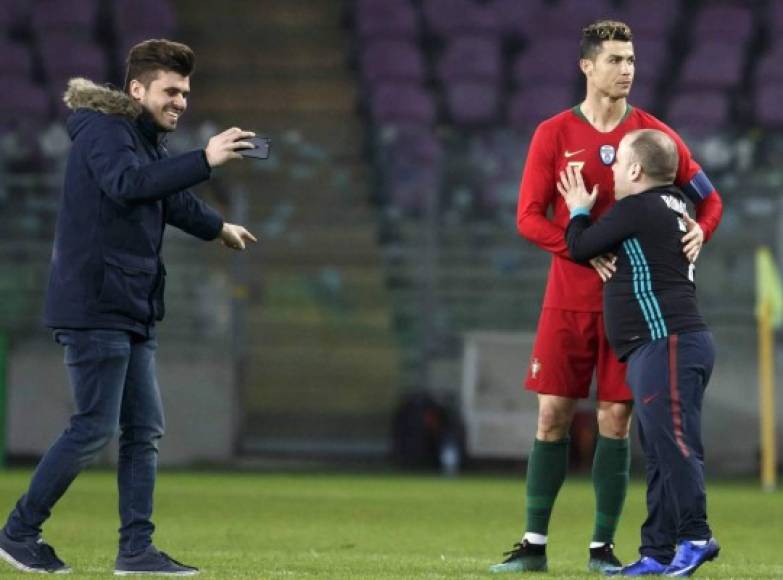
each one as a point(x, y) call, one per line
point(377, 526)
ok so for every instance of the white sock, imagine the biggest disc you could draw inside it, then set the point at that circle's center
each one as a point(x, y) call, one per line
point(698, 542)
point(597, 545)
point(537, 539)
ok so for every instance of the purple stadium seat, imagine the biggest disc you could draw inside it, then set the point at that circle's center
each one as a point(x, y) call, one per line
point(386, 18)
point(549, 60)
point(64, 57)
point(415, 143)
point(517, 19)
point(392, 60)
point(651, 58)
point(731, 22)
point(409, 159)
point(583, 13)
point(472, 103)
point(646, 20)
point(698, 112)
point(770, 68)
point(15, 60)
point(712, 65)
point(7, 19)
point(446, 18)
point(76, 16)
point(21, 101)
point(471, 58)
point(565, 19)
point(776, 18)
point(528, 107)
point(643, 96)
point(769, 112)
point(409, 186)
point(395, 103)
point(14, 15)
point(137, 20)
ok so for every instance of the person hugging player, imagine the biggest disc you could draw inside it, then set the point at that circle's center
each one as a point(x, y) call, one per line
point(571, 343)
point(653, 322)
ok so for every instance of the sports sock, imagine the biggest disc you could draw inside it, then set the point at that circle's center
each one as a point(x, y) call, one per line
point(536, 539)
point(611, 463)
point(546, 471)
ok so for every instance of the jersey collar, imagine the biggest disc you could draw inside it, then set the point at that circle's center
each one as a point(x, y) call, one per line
point(578, 112)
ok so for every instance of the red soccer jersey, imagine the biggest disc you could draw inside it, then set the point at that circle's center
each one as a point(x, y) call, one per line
point(569, 138)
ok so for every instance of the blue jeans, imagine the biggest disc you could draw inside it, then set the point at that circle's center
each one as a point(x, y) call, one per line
point(668, 378)
point(112, 374)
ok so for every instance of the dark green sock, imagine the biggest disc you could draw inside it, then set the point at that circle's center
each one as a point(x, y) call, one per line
point(546, 471)
point(611, 464)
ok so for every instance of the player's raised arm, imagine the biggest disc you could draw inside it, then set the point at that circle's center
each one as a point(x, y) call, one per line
point(536, 193)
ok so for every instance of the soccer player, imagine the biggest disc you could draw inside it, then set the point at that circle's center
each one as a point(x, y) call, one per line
point(653, 322)
point(570, 342)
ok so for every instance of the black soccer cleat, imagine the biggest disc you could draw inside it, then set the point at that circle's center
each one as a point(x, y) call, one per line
point(523, 557)
point(603, 559)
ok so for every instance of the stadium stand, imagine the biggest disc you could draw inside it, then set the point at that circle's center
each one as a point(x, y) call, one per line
point(493, 71)
point(431, 126)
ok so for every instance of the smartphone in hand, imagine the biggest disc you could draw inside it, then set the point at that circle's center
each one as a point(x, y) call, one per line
point(260, 149)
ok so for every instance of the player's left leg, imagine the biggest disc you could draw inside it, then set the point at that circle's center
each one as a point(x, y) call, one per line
point(691, 358)
point(611, 462)
point(142, 426)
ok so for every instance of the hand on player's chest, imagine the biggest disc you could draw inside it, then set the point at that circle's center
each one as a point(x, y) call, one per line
point(594, 161)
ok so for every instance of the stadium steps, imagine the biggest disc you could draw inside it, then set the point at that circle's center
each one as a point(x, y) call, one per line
point(322, 355)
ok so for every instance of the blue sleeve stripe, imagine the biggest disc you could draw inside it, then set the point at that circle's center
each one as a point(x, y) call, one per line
point(699, 187)
point(579, 211)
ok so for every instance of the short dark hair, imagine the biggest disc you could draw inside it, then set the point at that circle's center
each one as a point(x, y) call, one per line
point(594, 35)
point(147, 58)
point(657, 154)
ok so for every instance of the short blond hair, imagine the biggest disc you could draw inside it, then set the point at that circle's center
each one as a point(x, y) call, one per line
point(595, 34)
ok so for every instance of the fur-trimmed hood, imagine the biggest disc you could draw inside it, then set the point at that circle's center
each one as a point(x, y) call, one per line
point(85, 94)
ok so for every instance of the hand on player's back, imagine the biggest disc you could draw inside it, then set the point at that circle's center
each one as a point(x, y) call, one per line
point(693, 240)
point(225, 146)
point(605, 266)
point(572, 187)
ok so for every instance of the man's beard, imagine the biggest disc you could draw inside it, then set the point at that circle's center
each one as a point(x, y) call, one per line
point(157, 122)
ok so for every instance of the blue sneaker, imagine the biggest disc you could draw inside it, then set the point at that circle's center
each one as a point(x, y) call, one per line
point(689, 557)
point(151, 561)
point(644, 566)
point(33, 555)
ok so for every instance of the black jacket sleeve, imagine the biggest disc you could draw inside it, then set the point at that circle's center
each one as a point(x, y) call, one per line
point(586, 241)
point(188, 213)
point(118, 169)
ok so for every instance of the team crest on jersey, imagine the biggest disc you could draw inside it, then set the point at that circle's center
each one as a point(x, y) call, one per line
point(607, 154)
point(535, 368)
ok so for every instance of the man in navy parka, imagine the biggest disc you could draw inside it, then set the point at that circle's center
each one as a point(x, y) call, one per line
point(105, 292)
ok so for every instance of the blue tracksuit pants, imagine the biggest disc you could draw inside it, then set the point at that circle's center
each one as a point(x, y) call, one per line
point(668, 377)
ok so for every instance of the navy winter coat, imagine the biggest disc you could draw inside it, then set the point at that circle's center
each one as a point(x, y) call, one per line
point(120, 191)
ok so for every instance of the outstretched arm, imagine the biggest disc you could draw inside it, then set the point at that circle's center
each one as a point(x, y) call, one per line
point(586, 241)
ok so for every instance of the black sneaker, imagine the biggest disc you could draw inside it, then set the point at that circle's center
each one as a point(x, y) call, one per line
point(151, 561)
point(32, 555)
point(603, 559)
point(523, 557)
